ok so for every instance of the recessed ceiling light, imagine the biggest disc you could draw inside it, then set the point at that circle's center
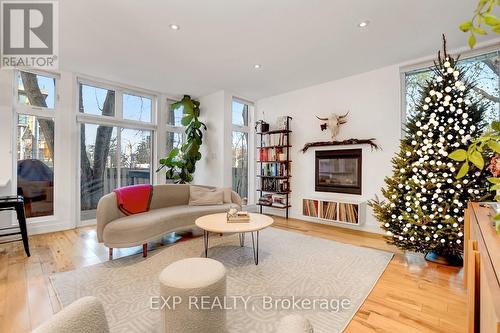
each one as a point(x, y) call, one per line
point(363, 24)
point(257, 66)
point(174, 27)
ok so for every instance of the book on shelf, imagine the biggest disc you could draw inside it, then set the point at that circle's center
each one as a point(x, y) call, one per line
point(274, 185)
point(310, 207)
point(275, 170)
point(266, 199)
point(275, 139)
point(272, 154)
point(279, 200)
point(329, 210)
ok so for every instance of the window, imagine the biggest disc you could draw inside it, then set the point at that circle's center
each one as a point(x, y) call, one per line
point(98, 165)
point(36, 95)
point(97, 101)
point(116, 142)
point(36, 90)
point(175, 130)
point(135, 157)
point(137, 108)
point(483, 70)
point(239, 143)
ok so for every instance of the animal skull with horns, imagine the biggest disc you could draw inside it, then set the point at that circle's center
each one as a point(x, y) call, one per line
point(333, 123)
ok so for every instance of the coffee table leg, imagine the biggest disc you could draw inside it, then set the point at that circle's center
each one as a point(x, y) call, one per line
point(242, 239)
point(255, 245)
point(205, 241)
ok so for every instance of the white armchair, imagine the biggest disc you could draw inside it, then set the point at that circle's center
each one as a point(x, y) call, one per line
point(85, 315)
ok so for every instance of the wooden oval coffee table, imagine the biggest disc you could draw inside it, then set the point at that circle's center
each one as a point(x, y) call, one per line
point(217, 223)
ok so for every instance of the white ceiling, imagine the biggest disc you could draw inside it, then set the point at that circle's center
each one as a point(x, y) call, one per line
point(298, 42)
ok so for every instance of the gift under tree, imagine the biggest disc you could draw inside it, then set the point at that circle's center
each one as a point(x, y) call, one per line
point(424, 210)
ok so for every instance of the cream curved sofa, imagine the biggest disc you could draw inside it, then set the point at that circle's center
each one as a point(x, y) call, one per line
point(169, 211)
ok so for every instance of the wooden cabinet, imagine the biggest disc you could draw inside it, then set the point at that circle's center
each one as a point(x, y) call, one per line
point(481, 270)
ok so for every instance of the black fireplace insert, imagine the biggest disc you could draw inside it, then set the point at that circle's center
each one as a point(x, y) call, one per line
point(338, 171)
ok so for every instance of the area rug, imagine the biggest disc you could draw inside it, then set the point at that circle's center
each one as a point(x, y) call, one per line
point(333, 278)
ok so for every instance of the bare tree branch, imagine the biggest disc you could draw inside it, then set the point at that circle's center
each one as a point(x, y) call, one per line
point(487, 95)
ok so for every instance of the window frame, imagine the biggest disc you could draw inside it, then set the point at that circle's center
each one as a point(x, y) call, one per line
point(427, 64)
point(248, 130)
point(42, 113)
point(120, 123)
point(169, 128)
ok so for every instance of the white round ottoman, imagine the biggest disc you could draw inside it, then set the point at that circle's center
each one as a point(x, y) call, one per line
point(193, 285)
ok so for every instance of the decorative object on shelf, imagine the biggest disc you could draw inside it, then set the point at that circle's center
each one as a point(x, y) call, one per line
point(332, 211)
point(275, 168)
point(281, 122)
point(486, 146)
point(181, 163)
point(424, 210)
point(333, 123)
point(236, 216)
point(371, 142)
point(261, 126)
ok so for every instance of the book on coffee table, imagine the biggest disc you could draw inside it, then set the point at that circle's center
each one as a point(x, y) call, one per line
point(238, 217)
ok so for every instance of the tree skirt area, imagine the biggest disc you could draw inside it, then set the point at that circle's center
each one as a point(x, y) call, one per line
point(291, 267)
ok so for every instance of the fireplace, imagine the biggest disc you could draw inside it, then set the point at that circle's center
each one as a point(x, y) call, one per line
point(338, 171)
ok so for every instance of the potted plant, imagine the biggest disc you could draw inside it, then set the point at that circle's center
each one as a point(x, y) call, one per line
point(487, 145)
point(180, 164)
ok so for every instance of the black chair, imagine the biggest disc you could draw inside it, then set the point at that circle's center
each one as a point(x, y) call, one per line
point(16, 202)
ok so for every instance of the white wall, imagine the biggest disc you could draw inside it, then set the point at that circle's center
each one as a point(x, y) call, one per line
point(214, 168)
point(6, 115)
point(210, 170)
point(373, 99)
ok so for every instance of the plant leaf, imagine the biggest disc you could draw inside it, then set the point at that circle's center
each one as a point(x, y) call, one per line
point(465, 26)
point(479, 31)
point(495, 146)
point(495, 125)
point(494, 180)
point(458, 155)
point(472, 41)
point(477, 159)
point(495, 187)
point(463, 170)
point(491, 20)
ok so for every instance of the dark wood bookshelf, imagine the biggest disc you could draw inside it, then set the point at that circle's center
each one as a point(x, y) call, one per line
point(277, 177)
point(280, 131)
point(285, 146)
point(274, 147)
point(275, 192)
point(274, 206)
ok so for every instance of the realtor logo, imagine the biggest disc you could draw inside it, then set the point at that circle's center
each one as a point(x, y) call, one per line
point(29, 34)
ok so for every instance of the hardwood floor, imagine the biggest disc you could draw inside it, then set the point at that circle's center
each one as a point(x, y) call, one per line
point(411, 296)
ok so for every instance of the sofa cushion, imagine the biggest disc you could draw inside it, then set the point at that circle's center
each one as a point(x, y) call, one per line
point(140, 228)
point(201, 196)
point(227, 194)
point(166, 195)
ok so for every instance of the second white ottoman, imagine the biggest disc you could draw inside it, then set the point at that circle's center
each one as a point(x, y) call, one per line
point(190, 280)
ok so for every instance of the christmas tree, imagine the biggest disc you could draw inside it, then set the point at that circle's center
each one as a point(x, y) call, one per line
point(424, 210)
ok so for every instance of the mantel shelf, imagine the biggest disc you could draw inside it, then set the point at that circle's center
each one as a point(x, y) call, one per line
point(347, 142)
